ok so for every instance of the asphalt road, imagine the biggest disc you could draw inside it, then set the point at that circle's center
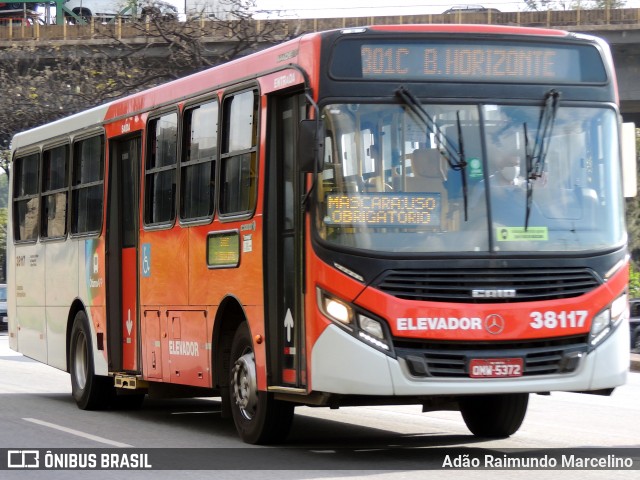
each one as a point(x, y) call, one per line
point(378, 443)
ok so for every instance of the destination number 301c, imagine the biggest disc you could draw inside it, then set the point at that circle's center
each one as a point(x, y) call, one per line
point(562, 319)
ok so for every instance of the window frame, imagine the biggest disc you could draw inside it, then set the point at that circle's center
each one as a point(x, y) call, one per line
point(44, 194)
point(73, 216)
point(185, 144)
point(155, 170)
point(18, 156)
point(226, 154)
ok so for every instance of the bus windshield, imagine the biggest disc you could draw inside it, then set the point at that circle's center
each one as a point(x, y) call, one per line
point(470, 178)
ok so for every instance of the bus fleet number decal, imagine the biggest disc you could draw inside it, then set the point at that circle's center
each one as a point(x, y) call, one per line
point(562, 319)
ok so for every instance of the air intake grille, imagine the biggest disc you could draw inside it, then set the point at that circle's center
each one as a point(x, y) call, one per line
point(457, 285)
point(447, 360)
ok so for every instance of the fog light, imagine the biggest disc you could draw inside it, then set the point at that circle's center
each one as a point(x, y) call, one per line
point(371, 326)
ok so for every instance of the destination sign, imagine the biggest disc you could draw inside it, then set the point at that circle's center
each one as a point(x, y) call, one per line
point(384, 210)
point(469, 61)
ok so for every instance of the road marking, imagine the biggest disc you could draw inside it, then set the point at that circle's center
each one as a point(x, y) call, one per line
point(78, 433)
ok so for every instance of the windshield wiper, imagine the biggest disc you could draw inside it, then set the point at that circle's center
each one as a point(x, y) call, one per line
point(455, 158)
point(536, 157)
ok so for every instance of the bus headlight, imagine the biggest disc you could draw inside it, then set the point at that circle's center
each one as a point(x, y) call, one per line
point(604, 322)
point(336, 310)
point(362, 325)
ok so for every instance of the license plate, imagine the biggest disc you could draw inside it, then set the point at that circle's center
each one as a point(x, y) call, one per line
point(495, 367)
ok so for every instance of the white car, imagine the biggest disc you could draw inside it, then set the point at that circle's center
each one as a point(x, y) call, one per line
point(107, 9)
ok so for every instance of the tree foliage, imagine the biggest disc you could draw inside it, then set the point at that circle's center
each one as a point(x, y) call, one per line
point(634, 282)
point(633, 216)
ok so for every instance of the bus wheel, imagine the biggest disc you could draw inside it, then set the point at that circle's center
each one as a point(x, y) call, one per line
point(495, 416)
point(90, 391)
point(258, 417)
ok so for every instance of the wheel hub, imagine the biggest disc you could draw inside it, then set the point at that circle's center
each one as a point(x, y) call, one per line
point(244, 385)
point(81, 366)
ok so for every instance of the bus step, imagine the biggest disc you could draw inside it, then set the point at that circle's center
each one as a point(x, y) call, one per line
point(129, 382)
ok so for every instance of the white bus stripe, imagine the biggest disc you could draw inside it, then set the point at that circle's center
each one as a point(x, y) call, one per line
point(78, 433)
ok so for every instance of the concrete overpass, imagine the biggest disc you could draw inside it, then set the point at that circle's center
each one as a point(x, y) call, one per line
point(620, 27)
point(625, 45)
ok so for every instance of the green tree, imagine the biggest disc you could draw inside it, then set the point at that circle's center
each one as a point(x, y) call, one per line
point(3, 245)
point(633, 216)
point(634, 282)
point(4, 190)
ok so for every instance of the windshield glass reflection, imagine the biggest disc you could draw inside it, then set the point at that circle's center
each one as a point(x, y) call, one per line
point(391, 181)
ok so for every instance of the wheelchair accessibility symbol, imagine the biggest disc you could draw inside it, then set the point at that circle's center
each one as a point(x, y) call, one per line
point(146, 259)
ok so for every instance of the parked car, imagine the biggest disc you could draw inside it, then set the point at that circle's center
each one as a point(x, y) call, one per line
point(4, 320)
point(470, 9)
point(11, 6)
point(634, 324)
point(107, 9)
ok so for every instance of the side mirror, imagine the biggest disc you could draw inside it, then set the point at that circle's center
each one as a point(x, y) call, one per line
point(629, 168)
point(309, 146)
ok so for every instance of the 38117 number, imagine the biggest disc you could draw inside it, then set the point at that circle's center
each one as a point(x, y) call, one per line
point(551, 319)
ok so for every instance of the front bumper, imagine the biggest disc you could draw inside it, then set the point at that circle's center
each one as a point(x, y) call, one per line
point(341, 364)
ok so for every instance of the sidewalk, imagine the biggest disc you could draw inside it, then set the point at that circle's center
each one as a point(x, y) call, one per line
point(635, 362)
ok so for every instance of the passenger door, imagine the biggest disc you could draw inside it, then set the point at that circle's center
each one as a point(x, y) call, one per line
point(284, 245)
point(122, 262)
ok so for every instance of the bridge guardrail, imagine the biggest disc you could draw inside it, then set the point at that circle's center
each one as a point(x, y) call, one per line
point(127, 31)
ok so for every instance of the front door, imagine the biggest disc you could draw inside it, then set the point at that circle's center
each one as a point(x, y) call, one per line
point(284, 246)
point(122, 254)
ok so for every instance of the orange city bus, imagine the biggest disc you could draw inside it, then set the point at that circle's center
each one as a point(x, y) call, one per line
point(418, 214)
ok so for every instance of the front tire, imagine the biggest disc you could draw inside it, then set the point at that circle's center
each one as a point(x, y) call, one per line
point(494, 416)
point(259, 418)
point(90, 391)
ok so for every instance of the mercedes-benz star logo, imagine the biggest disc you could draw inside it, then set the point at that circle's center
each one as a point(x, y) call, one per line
point(494, 324)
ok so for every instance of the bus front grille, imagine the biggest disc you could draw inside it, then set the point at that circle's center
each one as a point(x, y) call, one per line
point(481, 285)
point(452, 359)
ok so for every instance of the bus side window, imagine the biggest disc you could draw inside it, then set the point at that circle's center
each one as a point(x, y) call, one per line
point(87, 185)
point(198, 165)
point(25, 197)
point(160, 170)
point(55, 182)
point(239, 165)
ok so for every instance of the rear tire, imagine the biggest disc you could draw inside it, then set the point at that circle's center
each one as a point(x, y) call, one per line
point(494, 416)
point(90, 391)
point(259, 418)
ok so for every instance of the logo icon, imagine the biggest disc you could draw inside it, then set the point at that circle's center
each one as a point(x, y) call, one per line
point(494, 324)
point(493, 293)
point(23, 459)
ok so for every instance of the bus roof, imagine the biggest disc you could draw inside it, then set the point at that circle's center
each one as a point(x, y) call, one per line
point(472, 28)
